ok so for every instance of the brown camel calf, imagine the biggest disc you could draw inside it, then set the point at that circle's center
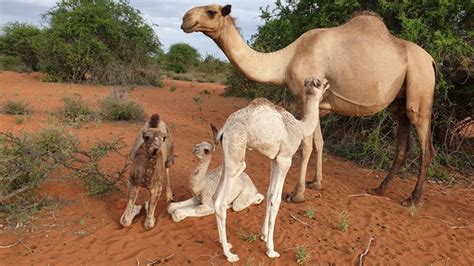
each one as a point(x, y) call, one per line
point(147, 171)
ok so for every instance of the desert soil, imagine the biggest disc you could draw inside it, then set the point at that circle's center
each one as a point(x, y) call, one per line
point(85, 230)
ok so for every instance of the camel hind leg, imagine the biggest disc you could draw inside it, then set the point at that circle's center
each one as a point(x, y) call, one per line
point(420, 82)
point(233, 147)
point(398, 110)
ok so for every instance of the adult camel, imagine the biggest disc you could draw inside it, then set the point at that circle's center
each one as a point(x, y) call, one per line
point(368, 69)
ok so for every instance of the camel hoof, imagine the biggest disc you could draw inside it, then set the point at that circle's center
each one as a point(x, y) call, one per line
point(298, 198)
point(273, 254)
point(375, 191)
point(231, 257)
point(258, 199)
point(149, 223)
point(169, 197)
point(314, 185)
point(125, 222)
point(178, 215)
point(409, 202)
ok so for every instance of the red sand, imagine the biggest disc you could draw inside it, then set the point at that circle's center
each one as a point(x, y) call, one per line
point(86, 230)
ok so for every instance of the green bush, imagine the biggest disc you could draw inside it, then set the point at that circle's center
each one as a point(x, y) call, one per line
point(16, 108)
point(181, 57)
point(12, 63)
point(18, 41)
point(107, 41)
point(116, 109)
point(75, 109)
point(441, 28)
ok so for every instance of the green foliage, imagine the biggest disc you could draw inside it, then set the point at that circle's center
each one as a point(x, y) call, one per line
point(249, 237)
point(443, 28)
point(76, 110)
point(310, 213)
point(343, 224)
point(18, 41)
point(27, 160)
point(12, 63)
point(115, 108)
point(107, 41)
point(16, 108)
point(301, 255)
point(181, 57)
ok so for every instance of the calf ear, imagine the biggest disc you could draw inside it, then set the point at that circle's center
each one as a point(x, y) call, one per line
point(226, 10)
point(214, 134)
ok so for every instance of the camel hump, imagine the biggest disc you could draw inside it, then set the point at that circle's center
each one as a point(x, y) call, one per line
point(365, 13)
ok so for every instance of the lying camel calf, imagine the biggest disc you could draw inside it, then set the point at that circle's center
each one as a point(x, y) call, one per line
point(147, 171)
point(203, 184)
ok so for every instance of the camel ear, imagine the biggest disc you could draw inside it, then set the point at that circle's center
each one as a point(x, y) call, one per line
point(145, 137)
point(214, 134)
point(226, 10)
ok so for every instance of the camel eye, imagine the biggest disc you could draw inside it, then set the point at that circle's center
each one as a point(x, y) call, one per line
point(206, 151)
point(211, 13)
point(164, 138)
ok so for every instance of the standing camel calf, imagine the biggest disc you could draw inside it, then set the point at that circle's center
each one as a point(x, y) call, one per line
point(203, 184)
point(148, 170)
point(275, 133)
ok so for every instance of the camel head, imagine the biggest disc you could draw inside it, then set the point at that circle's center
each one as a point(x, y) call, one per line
point(154, 140)
point(209, 20)
point(203, 150)
point(315, 88)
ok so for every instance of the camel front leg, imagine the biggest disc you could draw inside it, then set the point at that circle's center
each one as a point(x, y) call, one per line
point(316, 183)
point(192, 211)
point(150, 212)
point(182, 204)
point(131, 210)
point(297, 196)
point(282, 166)
point(169, 193)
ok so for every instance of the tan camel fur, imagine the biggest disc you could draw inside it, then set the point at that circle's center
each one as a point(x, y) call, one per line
point(368, 68)
point(275, 133)
point(147, 171)
point(167, 152)
point(203, 184)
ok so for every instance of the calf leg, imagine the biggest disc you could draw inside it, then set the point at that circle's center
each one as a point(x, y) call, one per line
point(150, 214)
point(282, 166)
point(192, 211)
point(131, 210)
point(182, 204)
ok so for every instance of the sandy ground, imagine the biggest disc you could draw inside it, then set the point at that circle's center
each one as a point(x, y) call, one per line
point(85, 230)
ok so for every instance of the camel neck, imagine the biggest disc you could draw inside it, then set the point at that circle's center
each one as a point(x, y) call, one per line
point(196, 181)
point(310, 116)
point(260, 67)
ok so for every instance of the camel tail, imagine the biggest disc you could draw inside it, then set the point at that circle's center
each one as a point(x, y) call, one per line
point(154, 119)
point(436, 70)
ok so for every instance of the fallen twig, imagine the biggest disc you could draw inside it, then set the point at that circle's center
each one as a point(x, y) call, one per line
point(363, 254)
point(29, 249)
point(451, 225)
point(367, 195)
point(298, 220)
point(12, 245)
point(159, 260)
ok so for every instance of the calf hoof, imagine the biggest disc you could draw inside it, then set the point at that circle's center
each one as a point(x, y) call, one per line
point(231, 257)
point(258, 198)
point(169, 197)
point(375, 191)
point(125, 222)
point(409, 202)
point(178, 215)
point(314, 185)
point(149, 223)
point(273, 254)
point(295, 198)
